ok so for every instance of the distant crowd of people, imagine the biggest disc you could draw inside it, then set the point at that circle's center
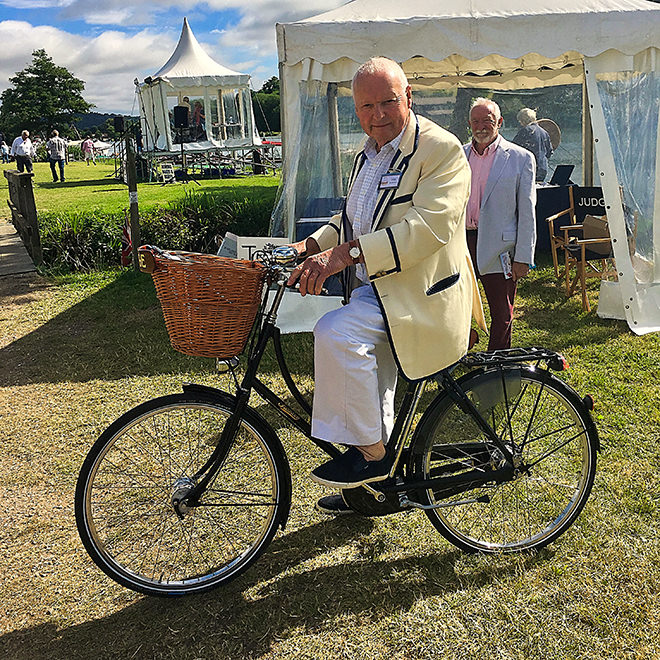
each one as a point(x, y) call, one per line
point(23, 152)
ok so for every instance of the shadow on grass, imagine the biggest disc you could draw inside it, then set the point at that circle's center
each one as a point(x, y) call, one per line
point(76, 183)
point(245, 618)
point(546, 315)
point(21, 289)
point(113, 333)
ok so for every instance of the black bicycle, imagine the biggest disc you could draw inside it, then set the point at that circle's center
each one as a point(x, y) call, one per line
point(184, 492)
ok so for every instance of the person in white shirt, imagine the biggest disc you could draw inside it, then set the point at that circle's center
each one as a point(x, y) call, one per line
point(56, 147)
point(4, 151)
point(23, 151)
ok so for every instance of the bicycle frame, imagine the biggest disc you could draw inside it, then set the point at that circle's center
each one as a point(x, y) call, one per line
point(267, 330)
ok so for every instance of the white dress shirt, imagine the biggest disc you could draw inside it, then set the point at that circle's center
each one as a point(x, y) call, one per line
point(21, 147)
point(362, 198)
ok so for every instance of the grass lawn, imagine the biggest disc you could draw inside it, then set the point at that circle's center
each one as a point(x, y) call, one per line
point(78, 351)
point(89, 187)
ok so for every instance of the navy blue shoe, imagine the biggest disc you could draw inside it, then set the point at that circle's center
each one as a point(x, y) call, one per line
point(333, 505)
point(350, 470)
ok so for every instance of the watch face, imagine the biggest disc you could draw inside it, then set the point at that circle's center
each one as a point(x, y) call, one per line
point(354, 252)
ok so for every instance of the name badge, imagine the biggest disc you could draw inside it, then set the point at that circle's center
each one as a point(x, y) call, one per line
point(390, 180)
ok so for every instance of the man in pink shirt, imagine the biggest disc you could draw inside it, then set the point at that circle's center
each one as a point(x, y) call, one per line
point(501, 219)
point(88, 150)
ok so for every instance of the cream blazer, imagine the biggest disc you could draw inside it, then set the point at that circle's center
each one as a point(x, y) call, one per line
point(416, 255)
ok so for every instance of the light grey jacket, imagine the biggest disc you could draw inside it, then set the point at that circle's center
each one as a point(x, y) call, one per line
point(507, 219)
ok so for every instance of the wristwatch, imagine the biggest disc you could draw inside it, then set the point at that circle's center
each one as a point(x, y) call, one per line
point(355, 252)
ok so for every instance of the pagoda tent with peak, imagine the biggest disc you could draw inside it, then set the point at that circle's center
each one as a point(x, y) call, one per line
point(195, 101)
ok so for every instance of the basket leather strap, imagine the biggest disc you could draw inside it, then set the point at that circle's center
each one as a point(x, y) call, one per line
point(146, 260)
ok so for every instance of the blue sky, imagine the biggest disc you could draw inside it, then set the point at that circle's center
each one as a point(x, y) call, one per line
point(109, 43)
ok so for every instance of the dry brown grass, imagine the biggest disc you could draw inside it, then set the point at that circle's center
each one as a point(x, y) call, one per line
point(76, 353)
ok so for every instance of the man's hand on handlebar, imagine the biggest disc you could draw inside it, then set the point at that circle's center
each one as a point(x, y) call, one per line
point(313, 272)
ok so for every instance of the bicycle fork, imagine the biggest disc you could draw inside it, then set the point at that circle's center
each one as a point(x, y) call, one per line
point(187, 491)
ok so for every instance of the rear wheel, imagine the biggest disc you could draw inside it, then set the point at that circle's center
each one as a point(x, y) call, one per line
point(125, 489)
point(550, 434)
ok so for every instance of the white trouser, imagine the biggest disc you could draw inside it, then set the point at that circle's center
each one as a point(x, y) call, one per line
point(355, 374)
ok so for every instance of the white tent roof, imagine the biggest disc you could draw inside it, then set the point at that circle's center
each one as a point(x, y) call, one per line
point(191, 66)
point(474, 29)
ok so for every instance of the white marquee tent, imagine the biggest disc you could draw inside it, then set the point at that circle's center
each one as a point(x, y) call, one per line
point(224, 119)
point(610, 47)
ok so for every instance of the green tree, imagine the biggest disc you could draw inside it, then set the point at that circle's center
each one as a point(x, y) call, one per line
point(271, 86)
point(42, 97)
point(266, 104)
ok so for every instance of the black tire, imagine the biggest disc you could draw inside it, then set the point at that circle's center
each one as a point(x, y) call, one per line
point(553, 438)
point(123, 500)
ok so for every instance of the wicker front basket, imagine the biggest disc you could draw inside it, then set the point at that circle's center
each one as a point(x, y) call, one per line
point(209, 303)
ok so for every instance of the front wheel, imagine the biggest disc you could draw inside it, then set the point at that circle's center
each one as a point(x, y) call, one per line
point(548, 430)
point(125, 490)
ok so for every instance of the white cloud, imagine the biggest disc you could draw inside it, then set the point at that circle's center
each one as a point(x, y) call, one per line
point(109, 60)
point(254, 34)
point(147, 12)
point(116, 17)
point(107, 63)
point(122, 13)
point(35, 4)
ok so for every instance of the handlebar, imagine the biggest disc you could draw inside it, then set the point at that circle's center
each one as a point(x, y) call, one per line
point(282, 259)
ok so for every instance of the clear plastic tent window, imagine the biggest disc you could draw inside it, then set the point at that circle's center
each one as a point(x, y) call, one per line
point(630, 105)
point(317, 169)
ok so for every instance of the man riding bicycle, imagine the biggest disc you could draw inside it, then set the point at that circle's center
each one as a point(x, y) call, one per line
point(409, 281)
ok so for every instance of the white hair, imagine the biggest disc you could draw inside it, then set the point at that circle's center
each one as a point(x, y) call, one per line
point(381, 65)
point(488, 103)
point(526, 116)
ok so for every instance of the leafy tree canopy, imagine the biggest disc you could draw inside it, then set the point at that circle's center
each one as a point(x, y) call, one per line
point(42, 97)
point(266, 104)
point(271, 86)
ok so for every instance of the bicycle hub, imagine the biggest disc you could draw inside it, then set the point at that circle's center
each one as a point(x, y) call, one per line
point(180, 489)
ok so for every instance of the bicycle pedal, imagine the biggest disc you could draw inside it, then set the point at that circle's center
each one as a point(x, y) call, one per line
point(378, 495)
point(363, 502)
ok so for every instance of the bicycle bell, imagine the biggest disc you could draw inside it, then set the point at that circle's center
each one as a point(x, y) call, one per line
point(285, 255)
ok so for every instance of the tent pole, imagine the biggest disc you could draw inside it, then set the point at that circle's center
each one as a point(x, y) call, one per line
point(613, 204)
point(241, 113)
point(587, 140)
point(207, 114)
point(656, 208)
point(333, 128)
point(223, 118)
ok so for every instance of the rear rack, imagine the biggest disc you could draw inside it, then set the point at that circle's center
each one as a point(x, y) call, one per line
point(554, 360)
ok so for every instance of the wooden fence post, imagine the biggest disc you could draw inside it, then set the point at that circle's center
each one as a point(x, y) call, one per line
point(131, 180)
point(24, 212)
